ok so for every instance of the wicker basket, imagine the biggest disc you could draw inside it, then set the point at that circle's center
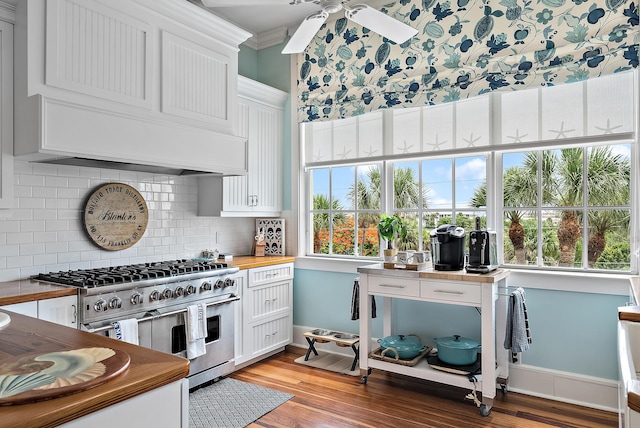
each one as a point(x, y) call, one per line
point(377, 354)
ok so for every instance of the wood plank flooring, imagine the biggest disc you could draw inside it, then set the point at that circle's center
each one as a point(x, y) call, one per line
point(327, 399)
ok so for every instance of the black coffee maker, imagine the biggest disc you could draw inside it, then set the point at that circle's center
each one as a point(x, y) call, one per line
point(447, 247)
point(483, 250)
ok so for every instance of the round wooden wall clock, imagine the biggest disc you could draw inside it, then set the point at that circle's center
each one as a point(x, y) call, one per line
point(115, 216)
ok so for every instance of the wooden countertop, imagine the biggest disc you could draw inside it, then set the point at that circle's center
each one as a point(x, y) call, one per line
point(250, 262)
point(28, 290)
point(147, 370)
point(460, 275)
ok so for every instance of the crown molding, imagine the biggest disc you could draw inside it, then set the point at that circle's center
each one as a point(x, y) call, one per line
point(266, 39)
point(8, 10)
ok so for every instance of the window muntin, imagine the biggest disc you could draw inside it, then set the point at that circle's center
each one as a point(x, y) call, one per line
point(568, 208)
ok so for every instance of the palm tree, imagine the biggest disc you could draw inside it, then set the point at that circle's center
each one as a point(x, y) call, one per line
point(608, 184)
point(321, 220)
point(366, 195)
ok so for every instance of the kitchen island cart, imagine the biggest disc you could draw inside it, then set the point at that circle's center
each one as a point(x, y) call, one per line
point(451, 288)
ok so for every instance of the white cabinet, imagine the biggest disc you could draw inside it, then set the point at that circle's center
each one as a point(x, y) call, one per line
point(6, 115)
point(29, 309)
point(146, 81)
point(260, 121)
point(267, 311)
point(241, 278)
point(60, 310)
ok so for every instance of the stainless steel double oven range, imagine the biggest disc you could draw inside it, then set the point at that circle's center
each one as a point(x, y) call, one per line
point(157, 295)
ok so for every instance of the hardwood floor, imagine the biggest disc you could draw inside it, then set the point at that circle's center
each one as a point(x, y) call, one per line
point(327, 399)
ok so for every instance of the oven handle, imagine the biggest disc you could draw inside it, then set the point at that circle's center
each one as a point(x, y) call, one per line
point(158, 315)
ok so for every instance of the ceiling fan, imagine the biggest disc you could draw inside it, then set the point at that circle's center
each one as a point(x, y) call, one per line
point(362, 14)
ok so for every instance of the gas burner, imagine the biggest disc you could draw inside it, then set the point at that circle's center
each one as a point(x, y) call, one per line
point(98, 277)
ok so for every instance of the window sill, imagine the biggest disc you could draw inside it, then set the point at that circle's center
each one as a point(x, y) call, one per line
point(577, 282)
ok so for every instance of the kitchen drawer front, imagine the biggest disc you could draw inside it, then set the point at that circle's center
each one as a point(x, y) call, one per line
point(269, 299)
point(270, 335)
point(451, 291)
point(394, 286)
point(269, 274)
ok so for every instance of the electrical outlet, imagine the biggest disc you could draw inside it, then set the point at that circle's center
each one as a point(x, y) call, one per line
point(218, 237)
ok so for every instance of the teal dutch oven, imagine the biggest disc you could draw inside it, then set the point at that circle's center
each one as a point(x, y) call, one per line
point(406, 347)
point(457, 350)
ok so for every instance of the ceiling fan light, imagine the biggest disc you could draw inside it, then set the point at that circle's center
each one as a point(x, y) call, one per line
point(381, 23)
point(305, 33)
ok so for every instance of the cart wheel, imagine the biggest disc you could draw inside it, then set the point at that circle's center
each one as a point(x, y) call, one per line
point(485, 410)
point(364, 380)
point(503, 388)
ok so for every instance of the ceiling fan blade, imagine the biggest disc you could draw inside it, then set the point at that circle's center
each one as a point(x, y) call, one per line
point(231, 3)
point(381, 23)
point(305, 32)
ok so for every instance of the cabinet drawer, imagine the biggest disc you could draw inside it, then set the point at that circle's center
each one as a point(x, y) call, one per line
point(458, 292)
point(269, 299)
point(271, 334)
point(394, 286)
point(268, 274)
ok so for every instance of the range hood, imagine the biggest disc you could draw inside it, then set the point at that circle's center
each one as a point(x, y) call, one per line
point(160, 98)
point(125, 166)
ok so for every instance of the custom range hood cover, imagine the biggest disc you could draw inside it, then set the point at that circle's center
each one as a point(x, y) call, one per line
point(156, 94)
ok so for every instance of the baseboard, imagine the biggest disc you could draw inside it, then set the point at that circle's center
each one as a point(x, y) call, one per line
point(573, 388)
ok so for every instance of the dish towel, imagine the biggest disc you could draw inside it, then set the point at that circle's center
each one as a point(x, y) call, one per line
point(518, 333)
point(355, 302)
point(196, 326)
point(125, 330)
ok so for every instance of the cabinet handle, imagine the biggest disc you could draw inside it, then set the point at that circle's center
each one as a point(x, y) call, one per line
point(271, 300)
point(392, 286)
point(271, 275)
point(255, 200)
point(460, 293)
point(270, 335)
point(74, 314)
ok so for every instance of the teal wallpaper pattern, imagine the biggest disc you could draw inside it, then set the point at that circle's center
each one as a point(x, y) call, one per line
point(463, 48)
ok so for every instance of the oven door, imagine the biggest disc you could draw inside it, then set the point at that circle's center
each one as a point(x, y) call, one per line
point(168, 334)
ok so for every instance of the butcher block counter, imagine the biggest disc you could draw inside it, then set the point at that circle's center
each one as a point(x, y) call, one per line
point(250, 262)
point(145, 371)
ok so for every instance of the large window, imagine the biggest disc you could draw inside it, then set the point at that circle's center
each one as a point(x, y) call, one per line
point(553, 171)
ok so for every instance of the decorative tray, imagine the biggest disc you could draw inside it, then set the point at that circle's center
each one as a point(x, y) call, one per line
point(407, 266)
point(377, 354)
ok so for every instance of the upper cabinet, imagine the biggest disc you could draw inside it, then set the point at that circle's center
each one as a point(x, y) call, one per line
point(259, 193)
point(6, 115)
point(146, 81)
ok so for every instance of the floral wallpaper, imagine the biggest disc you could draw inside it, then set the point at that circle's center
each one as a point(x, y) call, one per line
point(463, 48)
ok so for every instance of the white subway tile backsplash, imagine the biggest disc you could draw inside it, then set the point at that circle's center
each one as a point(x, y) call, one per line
point(45, 233)
point(17, 238)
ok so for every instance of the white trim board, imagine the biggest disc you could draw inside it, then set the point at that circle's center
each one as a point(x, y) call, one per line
point(573, 388)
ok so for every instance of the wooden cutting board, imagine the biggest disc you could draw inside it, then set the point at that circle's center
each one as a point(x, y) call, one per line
point(44, 376)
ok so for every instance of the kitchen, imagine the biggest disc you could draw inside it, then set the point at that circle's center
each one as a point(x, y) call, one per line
point(42, 234)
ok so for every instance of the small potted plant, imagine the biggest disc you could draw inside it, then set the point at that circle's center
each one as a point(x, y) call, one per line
point(391, 228)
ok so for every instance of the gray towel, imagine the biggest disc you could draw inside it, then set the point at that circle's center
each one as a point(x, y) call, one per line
point(355, 302)
point(518, 334)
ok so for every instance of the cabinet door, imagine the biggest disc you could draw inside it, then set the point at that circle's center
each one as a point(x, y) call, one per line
point(270, 335)
point(6, 115)
point(61, 310)
point(241, 281)
point(29, 309)
point(268, 300)
point(265, 137)
point(235, 189)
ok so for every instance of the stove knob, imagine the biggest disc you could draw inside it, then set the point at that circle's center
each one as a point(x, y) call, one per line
point(190, 289)
point(229, 282)
point(219, 284)
point(115, 302)
point(136, 299)
point(100, 305)
point(179, 292)
point(154, 296)
point(167, 293)
point(206, 286)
